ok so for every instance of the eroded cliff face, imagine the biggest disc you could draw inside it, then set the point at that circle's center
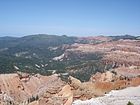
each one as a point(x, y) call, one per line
point(118, 53)
point(25, 88)
point(22, 88)
point(99, 85)
point(61, 97)
point(102, 83)
point(92, 58)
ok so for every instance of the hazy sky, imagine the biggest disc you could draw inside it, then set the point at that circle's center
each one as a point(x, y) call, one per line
point(69, 17)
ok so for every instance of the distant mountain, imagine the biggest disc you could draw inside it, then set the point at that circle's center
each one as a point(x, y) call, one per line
point(7, 38)
point(40, 39)
point(124, 37)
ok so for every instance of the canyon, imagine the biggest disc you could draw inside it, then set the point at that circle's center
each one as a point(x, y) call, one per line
point(58, 70)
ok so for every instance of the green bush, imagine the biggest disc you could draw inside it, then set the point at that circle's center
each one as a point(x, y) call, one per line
point(129, 103)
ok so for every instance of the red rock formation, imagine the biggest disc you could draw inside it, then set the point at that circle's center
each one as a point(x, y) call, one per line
point(17, 90)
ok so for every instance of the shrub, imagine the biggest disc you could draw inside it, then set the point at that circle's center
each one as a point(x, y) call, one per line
point(129, 103)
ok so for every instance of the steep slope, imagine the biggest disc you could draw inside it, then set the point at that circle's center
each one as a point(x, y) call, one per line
point(100, 84)
point(25, 88)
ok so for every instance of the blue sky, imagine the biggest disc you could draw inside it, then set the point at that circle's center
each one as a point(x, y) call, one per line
point(69, 17)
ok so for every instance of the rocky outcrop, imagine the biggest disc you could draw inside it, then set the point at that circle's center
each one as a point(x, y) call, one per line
point(60, 97)
point(51, 90)
point(74, 83)
point(15, 90)
point(103, 77)
point(102, 83)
